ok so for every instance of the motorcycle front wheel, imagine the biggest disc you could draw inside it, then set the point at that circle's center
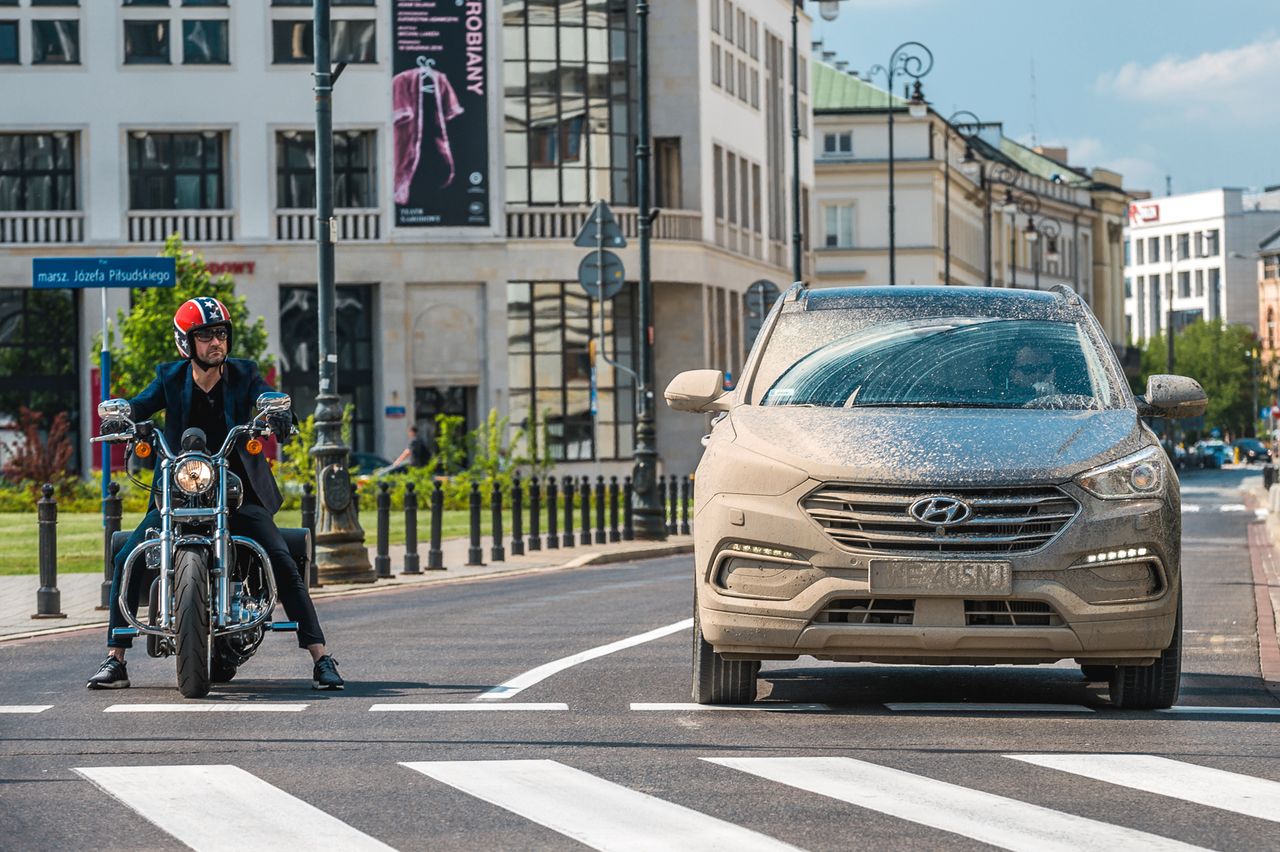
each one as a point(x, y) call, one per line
point(191, 620)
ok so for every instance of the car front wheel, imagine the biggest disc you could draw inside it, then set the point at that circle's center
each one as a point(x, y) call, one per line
point(1153, 687)
point(717, 680)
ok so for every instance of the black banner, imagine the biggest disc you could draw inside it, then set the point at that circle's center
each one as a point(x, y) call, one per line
point(440, 112)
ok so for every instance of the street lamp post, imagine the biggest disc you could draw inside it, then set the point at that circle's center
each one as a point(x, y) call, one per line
point(1028, 204)
point(946, 184)
point(646, 503)
point(910, 59)
point(1049, 229)
point(341, 555)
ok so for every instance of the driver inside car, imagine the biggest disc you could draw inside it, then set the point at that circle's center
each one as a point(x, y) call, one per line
point(209, 391)
point(1032, 375)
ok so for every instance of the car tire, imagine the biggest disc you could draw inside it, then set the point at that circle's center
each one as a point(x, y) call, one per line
point(1153, 687)
point(1097, 673)
point(717, 680)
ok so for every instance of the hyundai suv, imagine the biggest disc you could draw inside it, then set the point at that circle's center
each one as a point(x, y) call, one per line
point(936, 475)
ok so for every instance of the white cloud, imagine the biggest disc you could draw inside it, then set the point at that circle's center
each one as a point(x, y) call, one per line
point(1237, 80)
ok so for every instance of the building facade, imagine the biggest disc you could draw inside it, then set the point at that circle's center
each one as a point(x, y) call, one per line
point(1195, 256)
point(1269, 306)
point(195, 117)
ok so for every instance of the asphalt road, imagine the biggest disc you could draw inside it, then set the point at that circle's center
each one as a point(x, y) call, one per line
point(309, 770)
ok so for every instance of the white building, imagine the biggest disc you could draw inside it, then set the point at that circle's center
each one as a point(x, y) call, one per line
point(1203, 248)
point(124, 122)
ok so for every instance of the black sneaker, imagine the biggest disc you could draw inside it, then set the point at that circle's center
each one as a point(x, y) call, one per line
point(325, 674)
point(111, 675)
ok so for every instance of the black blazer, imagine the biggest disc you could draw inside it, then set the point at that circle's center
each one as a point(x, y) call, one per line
point(171, 391)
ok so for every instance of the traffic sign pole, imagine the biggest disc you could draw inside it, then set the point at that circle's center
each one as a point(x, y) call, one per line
point(104, 378)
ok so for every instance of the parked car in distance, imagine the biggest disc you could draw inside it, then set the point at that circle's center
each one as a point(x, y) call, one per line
point(1210, 454)
point(1251, 450)
point(367, 463)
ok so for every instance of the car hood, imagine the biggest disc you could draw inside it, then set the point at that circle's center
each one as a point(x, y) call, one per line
point(928, 446)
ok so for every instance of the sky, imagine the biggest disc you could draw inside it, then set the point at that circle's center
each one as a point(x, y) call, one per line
point(1150, 88)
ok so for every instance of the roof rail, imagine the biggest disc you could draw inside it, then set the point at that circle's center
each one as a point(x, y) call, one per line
point(1071, 297)
point(794, 292)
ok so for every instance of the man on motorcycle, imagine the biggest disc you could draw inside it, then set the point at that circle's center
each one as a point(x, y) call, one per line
point(210, 391)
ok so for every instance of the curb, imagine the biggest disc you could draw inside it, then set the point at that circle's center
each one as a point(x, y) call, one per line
point(1266, 576)
point(583, 561)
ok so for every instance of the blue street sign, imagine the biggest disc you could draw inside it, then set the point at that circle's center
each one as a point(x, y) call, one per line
point(80, 272)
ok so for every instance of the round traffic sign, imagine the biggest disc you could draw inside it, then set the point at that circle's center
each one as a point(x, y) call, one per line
point(592, 272)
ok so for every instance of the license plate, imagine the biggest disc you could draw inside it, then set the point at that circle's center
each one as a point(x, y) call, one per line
point(941, 578)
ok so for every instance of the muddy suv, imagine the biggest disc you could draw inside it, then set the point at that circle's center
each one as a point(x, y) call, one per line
point(936, 475)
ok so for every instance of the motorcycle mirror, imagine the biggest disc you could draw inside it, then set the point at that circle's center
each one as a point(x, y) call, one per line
point(274, 402)
point(114, 409)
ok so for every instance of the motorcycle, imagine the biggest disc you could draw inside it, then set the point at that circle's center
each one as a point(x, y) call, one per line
point(213, 594)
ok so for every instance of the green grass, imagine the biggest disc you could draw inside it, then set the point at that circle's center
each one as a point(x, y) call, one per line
point(80, 535)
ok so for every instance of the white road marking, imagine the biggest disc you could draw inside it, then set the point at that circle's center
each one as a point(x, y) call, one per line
point(1260, 514)
point(445, 708)
point(802, 708)
point(24, 708)
point(591, 810)
point(988, 818)
point(967, 707)
point(522, 682)
point(1223, 711)
point(1228, 791)
point(1233, 507)
point(1190, 507)
point(255, 707)
point(221, 808)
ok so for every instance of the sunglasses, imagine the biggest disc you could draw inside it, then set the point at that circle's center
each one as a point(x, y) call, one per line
point(205, 335)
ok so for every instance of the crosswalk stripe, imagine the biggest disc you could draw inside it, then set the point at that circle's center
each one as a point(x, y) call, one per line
point(972, 707)
point(221, 808)
point(219, 707)
point(591, 810)
point(1190, 507)
point(24, 708)
point(997, 820)
point(1233, 507)
point(461, 708)
point(788, 708)
point(1228, 791)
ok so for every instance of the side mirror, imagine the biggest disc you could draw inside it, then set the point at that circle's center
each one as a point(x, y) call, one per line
point(115, 409)
point(274, 402)
point(1174, 397)
point(698, 390)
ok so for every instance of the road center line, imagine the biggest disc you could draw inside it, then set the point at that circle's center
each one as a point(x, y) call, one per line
point(24, 708)
point(522, 682)
point(256, 707)
point(472, 707)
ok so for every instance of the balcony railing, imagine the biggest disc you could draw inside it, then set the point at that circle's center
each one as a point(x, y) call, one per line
point(551, 223)
point(194, 226)
point(355, 224)
point(33, 227)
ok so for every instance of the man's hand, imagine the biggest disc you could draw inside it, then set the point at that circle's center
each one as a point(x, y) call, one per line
point(114, 427)
point(281, 425)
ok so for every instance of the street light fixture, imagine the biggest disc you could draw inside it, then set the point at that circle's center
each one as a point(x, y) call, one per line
point(969, 166)
point(1049, 228)
point(829, 9)
point(910, 59)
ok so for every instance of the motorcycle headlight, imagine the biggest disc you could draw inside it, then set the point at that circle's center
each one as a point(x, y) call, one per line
point(193, 476)
point(1137, 475)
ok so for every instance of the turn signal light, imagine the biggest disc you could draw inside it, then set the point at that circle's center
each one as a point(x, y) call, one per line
point(254, 446)
point(142, 449)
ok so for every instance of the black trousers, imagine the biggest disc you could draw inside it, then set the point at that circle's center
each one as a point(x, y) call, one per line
point(251, 521)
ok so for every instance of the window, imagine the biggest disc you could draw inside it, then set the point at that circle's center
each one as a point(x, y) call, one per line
point(756, 224)
point(1184, 246)
point(667, 177)
point(715, 16)
point(55, 2)
point(204, 42)
point(1128, 287)
point(1271, 266)
point(549, 371)
point(1168, 246)
point(731, 178)
point(1153, 249)
point(753, 42)
point(37, 171)
point(755, 88)
point(715, 63)
point(146, 2)
point(146, 42)
point(1211, 243)
point(730, 72)
point(1215, 293)
point(1126, 253)
point(55, 42)
point(353, 173)
point(728, 22)
point(837, 144)
point(839, 219)
point(205, 2)
point(8, 42)
point(1184, 285)
point(352, 41)
point(1138, 244)
point(717, 156)
point(743, 94)
point(744, 188)
point(176, 171)
point(1199, 283)
point(332, 3)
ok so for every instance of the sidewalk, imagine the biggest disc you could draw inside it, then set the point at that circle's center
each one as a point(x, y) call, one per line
point(1264, 550)
point(81, 593)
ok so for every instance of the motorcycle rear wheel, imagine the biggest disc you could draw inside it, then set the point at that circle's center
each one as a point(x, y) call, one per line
point(191, 617)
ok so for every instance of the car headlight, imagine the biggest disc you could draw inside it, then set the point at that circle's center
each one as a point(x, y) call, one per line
point(1137, 475)
point(193, 476)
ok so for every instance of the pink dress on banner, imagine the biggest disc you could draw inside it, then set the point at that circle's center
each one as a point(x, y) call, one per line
point(421, 117)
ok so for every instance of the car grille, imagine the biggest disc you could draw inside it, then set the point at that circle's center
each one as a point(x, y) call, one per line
point(868, 611)
point(1004, 613)
point(1004, 520)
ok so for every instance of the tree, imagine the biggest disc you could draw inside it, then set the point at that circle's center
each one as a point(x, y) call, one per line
point(144, 336)
point(38, 459)
point(1219, 357)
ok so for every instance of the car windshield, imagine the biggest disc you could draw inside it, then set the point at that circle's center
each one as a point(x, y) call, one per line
point(946, 362)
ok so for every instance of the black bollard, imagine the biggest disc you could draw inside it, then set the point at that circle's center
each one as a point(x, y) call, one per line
point(686, 492)
point(309, 522)
point(566, 485)
point(48, 598)
point(112, 509)
point(662, 499)
point(601, 538)
point(553, 540)
point(584, 495)
point(673, 504)
point(628, 530)
point(614, 533)
point(382, 562)
point(517, 516)
point(535, 511)
point(435, 556)
point(475, 555)
point(410, 530)
point(496, 551)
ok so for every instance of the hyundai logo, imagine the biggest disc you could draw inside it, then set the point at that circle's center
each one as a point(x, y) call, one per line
point(940, 511)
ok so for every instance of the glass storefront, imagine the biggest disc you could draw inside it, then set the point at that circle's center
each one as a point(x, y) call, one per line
point(40, 359)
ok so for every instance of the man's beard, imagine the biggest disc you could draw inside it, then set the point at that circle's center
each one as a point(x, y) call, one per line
point(208, 365)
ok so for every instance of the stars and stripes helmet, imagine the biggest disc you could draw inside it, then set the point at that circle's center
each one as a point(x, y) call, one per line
point(195, 314)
